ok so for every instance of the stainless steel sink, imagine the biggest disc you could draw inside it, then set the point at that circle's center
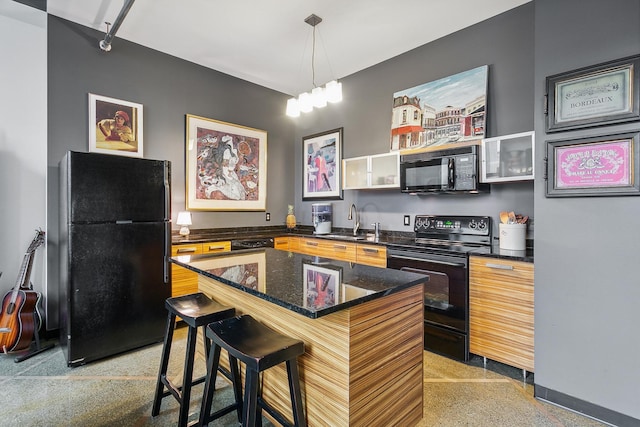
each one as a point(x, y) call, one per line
point(344, 237)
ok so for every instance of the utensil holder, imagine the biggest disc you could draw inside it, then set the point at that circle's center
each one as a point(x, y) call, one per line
point(513, 236)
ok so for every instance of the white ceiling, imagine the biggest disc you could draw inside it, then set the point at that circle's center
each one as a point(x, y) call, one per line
point(267, 41)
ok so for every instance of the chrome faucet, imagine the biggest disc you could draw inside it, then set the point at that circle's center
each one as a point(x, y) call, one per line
point(356, 222)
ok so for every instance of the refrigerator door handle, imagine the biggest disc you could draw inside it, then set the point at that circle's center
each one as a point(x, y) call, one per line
point(167, 251)
point(167, 193)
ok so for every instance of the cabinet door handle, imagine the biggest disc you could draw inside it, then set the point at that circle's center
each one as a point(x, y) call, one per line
point(499, 266)
point(312, 243)
point(186, 250)
point(216, 248)
point(370, 250)
point(344, 247)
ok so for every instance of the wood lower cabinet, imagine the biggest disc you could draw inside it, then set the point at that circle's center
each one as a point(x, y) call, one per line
point(501, 309)
point(185, 281)
point(281, 243)
point(371, 255)
point(374, 255)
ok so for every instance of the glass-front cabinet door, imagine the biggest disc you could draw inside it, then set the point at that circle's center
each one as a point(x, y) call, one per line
point(371, 172)
point(508, 158)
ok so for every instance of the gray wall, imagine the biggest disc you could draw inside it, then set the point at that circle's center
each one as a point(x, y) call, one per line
point(168, 88)
point(505, 43)
point(587, 286)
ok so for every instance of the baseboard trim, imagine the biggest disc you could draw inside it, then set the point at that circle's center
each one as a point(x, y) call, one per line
point(585, 408)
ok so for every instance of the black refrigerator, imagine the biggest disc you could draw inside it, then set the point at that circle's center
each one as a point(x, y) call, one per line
point(115, 244)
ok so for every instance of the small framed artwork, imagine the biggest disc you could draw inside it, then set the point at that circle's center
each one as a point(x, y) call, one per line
point(602, 94)
point(321, 178)
point(226, 166)
point(596, 166)
point(321, 286)
point(115, 126)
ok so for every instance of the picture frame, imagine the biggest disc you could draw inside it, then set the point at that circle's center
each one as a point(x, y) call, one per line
point(441, 114)
point(597, 95)
point(115, 126)
point(322, 166)
point(226, 166)
point(321, 286)
point(594, 166)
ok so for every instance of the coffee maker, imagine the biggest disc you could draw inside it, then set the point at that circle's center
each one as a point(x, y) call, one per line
point(321, 214)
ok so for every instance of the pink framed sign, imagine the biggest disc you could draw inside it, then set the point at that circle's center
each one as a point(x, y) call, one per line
point(597, 166)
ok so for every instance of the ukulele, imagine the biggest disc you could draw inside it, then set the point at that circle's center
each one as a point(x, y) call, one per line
point(20, 306)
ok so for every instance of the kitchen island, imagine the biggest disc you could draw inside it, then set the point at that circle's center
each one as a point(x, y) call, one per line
point(362, 327)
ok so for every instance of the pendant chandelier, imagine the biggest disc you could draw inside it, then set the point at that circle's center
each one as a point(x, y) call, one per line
point(319, 96)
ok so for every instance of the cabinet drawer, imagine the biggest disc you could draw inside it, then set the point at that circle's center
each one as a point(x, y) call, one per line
point(186, 249)
point(309, 246)
point(371, 255)
point(281, 243)
point(338, 250)
point(213, 247)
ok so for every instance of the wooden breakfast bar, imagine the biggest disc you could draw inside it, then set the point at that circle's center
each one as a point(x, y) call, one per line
point(362, 327)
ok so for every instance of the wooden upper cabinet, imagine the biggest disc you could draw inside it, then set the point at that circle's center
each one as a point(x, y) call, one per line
point(501, 311)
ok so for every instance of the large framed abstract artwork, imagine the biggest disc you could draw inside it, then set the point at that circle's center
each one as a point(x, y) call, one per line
point(322, 158)
point(441, 113)
point(115, 126)
point(226, 166)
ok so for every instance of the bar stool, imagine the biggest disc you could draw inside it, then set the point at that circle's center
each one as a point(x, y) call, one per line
point(196, 310)
point(259, 348)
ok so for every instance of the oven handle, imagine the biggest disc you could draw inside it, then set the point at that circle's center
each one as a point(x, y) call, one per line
point(451, 264)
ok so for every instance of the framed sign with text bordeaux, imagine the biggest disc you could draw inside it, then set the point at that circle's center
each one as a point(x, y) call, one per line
point(598, 95)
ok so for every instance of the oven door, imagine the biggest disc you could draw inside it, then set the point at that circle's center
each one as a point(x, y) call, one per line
point(427, 175)
point(446, 299)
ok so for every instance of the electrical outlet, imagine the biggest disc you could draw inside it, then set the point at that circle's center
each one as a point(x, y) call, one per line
point(268, 216)
point(407, 220)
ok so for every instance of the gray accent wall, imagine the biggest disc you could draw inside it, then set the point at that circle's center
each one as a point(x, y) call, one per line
point(505, 43)
point(587, 284)
point(168, 88)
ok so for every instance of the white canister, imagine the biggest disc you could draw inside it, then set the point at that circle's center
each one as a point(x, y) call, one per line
point(513, 236)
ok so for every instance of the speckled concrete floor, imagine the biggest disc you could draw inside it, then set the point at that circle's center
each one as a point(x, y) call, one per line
point(43, 391)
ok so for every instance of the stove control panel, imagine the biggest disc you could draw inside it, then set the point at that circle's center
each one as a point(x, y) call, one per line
point(440, 224)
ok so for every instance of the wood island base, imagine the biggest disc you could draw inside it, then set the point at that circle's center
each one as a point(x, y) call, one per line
point(362, 365)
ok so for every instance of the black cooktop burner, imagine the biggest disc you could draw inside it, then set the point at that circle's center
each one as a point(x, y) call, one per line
point(452, 234)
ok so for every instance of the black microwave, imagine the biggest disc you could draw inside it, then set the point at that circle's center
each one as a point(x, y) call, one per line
point(453, 170)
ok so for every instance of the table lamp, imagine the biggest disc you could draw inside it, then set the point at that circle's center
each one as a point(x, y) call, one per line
point(184, 220)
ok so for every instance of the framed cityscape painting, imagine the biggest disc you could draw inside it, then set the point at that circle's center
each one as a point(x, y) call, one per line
point(115, 126)
point(441, 113)
point(226, 166)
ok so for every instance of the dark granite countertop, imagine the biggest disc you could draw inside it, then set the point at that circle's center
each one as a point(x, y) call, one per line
point(289, 279)
point(386, 238)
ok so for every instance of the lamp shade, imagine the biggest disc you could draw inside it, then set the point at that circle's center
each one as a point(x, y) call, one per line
point(184, 218)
